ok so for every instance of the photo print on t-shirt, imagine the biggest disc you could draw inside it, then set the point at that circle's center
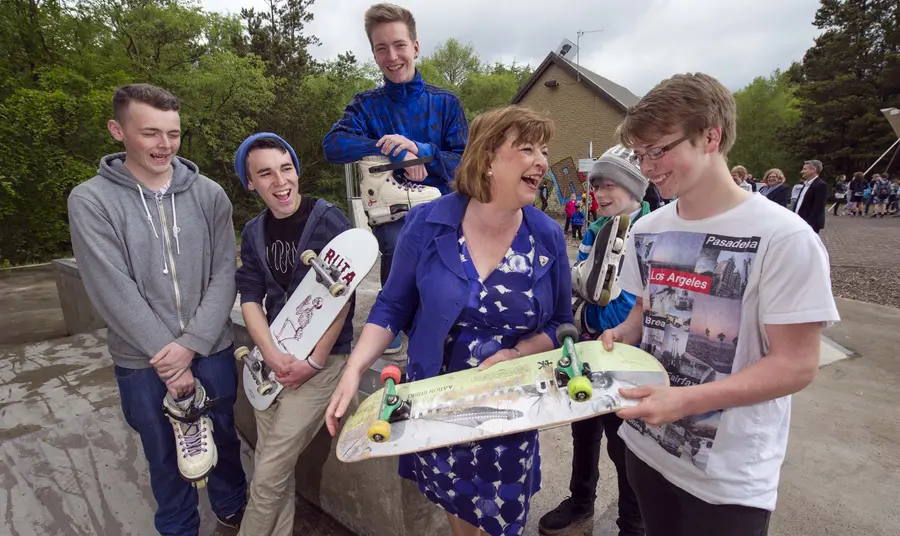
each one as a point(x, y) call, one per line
point(694, 286)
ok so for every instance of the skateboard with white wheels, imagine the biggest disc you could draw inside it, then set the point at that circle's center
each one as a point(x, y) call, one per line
point(333, 277)
point(577, 381)
point(594, 279)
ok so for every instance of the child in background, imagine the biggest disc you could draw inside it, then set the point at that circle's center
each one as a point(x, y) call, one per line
point(577, 220)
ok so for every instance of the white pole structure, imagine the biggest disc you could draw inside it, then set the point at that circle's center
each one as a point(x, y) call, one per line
point(882, 156)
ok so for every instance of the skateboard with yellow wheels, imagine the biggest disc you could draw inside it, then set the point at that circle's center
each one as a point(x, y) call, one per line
point(577, 381)
point(326, 288)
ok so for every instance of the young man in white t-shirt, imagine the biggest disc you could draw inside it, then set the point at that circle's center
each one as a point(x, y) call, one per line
point(732, 293)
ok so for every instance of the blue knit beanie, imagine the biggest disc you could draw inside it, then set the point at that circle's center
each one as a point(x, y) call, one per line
point(240, 157)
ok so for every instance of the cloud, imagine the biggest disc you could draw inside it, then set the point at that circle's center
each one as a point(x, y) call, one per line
point(641, 41)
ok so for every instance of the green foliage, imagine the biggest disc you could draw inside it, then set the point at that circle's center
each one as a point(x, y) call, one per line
point(766, 110)
point(845, 79)
point(60, 63)
point(480, 87)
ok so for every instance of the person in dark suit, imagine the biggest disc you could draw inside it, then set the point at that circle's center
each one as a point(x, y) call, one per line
point(774, 189)
point(811, 203)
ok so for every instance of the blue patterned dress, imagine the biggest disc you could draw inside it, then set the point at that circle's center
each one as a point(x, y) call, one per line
point(488, 483)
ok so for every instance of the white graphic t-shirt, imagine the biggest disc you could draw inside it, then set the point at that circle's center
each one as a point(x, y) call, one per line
point(708, 288)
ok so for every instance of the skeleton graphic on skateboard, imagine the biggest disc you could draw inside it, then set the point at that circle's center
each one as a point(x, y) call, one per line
point(304, 315)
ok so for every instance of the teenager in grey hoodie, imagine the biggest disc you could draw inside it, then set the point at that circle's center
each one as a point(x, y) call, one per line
point(155, 247)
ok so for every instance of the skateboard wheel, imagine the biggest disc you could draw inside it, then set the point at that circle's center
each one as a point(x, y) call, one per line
point(241, 353)
point(618, 244)
point(390, 371)
point(580, 389)
point(604, 298)
point(265, 389)
point(307, 256)
point(336, 289)
point(624, 222)
point(566, 331)
point(380, 431)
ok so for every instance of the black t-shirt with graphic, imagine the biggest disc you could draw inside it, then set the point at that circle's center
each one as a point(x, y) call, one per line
point(282, 240)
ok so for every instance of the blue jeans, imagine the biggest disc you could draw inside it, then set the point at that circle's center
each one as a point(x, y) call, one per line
point(387, 235)
point(142, 393)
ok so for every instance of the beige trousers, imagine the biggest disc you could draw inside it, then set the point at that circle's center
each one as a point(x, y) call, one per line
point(284, 431)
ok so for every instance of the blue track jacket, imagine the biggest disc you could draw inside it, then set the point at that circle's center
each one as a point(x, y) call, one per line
point(430, 116)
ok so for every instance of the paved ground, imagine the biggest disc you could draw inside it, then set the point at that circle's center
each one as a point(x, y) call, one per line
point(70, 465)
point(862, 242)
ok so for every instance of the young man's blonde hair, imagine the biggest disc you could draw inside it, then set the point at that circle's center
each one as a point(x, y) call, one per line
point(386, 13)
point(486, 135)
point(692, 101)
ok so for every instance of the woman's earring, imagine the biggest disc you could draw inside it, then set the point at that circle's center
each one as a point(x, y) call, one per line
point(490, 173)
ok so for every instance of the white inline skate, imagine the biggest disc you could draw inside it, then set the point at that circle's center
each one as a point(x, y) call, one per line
point(193, 428)
point(594, 279)
point(386, 199)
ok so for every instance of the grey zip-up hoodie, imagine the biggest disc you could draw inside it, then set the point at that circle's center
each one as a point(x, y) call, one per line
point(158, 268)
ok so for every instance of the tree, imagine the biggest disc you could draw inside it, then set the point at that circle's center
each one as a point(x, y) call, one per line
point(480, 87)
point(766, 110)
point(844, 80)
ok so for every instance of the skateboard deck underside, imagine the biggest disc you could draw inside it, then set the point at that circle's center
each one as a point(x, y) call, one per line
point(512, 396)
point(311, 309)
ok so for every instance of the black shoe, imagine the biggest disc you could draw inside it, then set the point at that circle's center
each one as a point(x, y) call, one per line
point(565, 515)
point(233, 521)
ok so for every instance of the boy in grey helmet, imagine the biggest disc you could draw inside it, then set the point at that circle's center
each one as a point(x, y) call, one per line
point(619, 187)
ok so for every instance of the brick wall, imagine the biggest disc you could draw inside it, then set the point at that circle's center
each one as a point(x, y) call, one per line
point(581, 117)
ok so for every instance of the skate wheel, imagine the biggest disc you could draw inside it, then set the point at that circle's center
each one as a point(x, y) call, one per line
point(580, 389)
point(265, 389)
point(624, 222)
point(241, 353)
point(337, 289)
point(566, 331)
point(392, 372)
point(618, 244)
point(380, 431)
point(307, 256)
point(604, 298)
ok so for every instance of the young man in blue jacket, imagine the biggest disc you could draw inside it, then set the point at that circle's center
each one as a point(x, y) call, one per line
point(405, 119)
point(619, 187)
point(270, 272)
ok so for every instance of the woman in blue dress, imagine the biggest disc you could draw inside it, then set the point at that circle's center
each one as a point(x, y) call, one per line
point(479, 276)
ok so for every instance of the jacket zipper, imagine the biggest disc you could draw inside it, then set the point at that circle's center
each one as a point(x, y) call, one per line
point(165, 230)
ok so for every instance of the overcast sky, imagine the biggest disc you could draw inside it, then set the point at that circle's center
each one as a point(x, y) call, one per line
point(641, 42)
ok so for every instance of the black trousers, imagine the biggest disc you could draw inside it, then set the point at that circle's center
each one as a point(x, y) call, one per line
point(586, 443)
point(670, 511)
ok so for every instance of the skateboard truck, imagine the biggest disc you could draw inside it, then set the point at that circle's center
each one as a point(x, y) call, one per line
point(325, 274)
point(570, 371)
point(392, 408)
point(259, 367)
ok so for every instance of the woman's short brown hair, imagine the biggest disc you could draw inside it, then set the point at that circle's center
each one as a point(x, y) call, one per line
point(777, 172)
point(740, 170)
point(486, 136)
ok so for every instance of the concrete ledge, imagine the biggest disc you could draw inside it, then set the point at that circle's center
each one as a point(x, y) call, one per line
point(78, 312)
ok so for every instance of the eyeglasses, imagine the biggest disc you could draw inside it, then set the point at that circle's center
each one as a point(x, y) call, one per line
point(656, 153)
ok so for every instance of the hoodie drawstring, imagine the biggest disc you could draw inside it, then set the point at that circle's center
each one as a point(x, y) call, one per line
point(147, 210)
point(175, 228)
